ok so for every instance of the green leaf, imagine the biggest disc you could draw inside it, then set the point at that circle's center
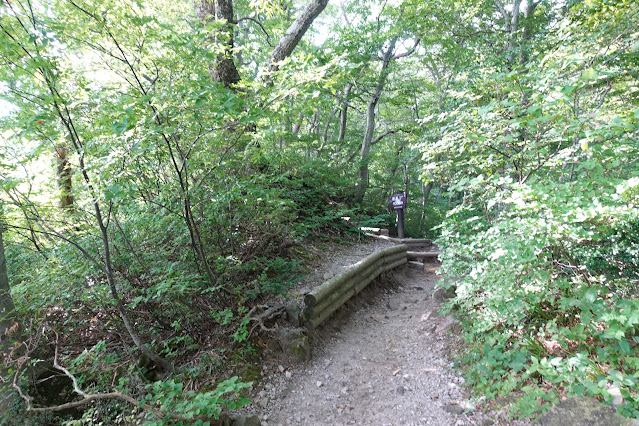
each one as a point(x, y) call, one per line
point(590, 74)
point(625, 346)
point(591, 295)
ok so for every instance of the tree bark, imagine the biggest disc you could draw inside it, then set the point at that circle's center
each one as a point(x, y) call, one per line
point(224, 69)
point(6, 302)
point(362, 186)
point(296, 31)
point(65, 177)
point(425, 194)
point(343, 114)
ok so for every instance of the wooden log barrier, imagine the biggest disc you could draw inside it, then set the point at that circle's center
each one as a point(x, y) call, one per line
point(322, 301)
point(417, 242)
point(422, 255)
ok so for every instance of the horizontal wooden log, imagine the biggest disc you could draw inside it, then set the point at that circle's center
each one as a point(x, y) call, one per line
point(325, 309)
point(393, 257)
point(395, 249)
point(422, 254)
point(319, 293)
point(371, 229)
point(320, 317)
point(408, 241)
point(328, 287)
point(348, 284)
point(324, 300)
point(395, 264)
point(369, 272)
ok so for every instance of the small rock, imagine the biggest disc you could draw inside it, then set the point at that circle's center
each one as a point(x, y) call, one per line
point(425, 317)
point(441, 295)
point(400, 390)
point(281, 368)
point(288, 374)
point(467, 406)
point(244, 420)
point(263, 402)
point(392, 304)
point(615, 392)
point(293, 314)
point(319, 384)
point(449, 323)
point(453, 409)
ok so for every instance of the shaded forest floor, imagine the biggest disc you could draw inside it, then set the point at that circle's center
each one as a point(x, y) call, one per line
point(386, 358)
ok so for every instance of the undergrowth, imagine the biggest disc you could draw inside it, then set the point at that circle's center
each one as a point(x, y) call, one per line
point(546, 287)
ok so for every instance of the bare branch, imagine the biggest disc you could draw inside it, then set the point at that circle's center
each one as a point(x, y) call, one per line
point(386, 133)
point(268, 37)
point(407, 53)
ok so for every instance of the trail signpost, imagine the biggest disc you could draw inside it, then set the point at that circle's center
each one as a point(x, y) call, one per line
point(398, 202)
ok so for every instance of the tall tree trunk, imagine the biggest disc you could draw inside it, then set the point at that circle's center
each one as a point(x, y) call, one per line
point(64, 176)
point(6, 302)
point(425, 194)
point(224, 69)
point(362, 186)
point(511, 27)
point(8, 326)
point(296, 31)
point(343, 114)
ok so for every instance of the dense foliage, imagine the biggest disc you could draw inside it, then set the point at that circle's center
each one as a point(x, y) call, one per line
point(164, 167)
point(543, 248)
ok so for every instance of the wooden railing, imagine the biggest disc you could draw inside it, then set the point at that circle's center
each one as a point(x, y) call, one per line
point(325, 299)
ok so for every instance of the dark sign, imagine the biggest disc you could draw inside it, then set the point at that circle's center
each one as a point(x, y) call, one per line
point(398, 201)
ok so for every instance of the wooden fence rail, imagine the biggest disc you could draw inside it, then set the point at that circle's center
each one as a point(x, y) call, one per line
point(322, 301)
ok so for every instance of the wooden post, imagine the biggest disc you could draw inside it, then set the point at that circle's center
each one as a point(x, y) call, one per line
point(398, 202)
point(400, 223)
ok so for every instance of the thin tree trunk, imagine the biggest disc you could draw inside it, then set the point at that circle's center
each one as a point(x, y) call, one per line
point(6, 301)
point(425, 194)
point(296, 126)
point(107, 268)
point(64, 177)
point(362, 186)
point(343, 114)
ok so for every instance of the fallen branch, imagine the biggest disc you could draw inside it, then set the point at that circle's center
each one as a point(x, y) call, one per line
point(86, 397)
point(270, 313)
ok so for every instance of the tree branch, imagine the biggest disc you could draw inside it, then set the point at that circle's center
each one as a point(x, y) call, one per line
point(409, 52)
point(268, 37)
point(386, 133)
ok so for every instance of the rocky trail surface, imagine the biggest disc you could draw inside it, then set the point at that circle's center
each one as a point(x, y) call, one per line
point(382, 360)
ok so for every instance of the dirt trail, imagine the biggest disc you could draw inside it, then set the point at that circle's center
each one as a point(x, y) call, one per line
point(381, 361)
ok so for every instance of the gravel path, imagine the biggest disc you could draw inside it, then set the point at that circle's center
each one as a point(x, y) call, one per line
point(381, 361)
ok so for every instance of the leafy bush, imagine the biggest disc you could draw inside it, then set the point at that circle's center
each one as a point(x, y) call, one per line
point(542, 312)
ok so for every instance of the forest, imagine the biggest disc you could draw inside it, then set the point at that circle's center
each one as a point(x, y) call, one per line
point(166, 167)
